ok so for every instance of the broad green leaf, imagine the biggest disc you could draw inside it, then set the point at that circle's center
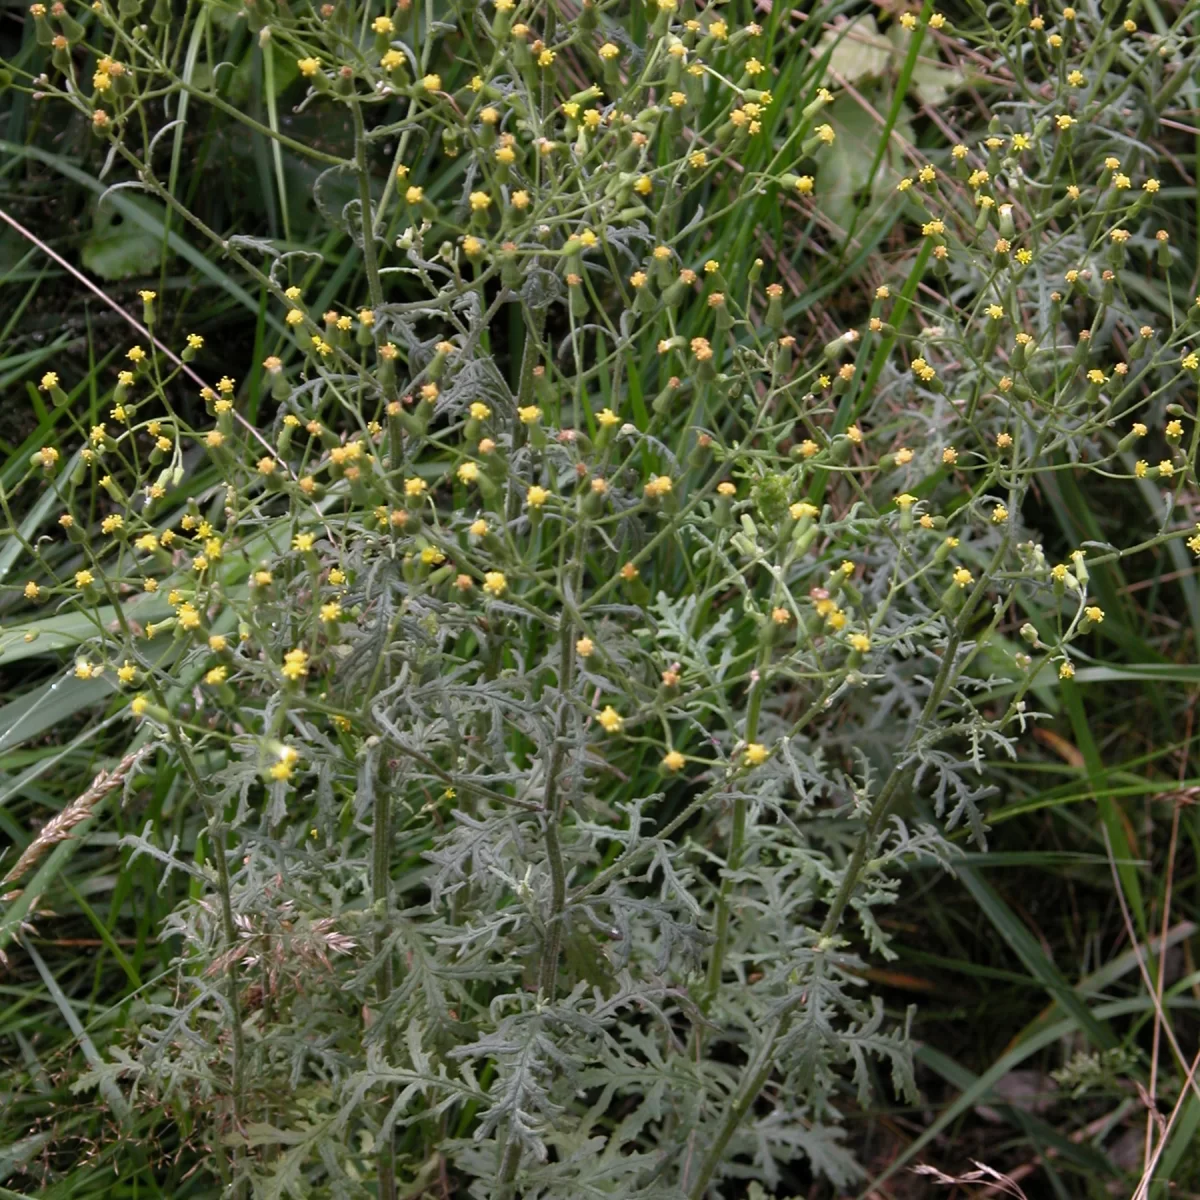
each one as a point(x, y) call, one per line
point(859, 50)
point(117, 248)
point(844, 180)
point(932, 83)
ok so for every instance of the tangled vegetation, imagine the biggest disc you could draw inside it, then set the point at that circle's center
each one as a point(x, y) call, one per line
point(574, 535)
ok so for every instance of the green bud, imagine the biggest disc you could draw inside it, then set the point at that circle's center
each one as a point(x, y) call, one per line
point(1081, 571)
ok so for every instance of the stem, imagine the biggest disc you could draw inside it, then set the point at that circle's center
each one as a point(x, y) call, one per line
point(552, 949)
point(229, 928)
point(535, 322)
point(737, 842)
point(366, 216)
point(380, 893)
point(548, 974)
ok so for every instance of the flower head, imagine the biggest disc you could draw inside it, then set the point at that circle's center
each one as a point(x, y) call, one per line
point(610, 719)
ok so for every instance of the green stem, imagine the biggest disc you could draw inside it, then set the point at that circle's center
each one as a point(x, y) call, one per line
point(366, 216)
point(548, 974)
point(381, 861)
point(737, 841)
point(535, 322)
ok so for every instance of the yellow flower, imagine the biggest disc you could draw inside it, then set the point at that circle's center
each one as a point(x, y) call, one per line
point(859, 642)
point(331, 611)
point(414, 487)
point(468, 472)
point(295, 665)
point(1066, 671)
point(480, 201)
point(999, 514)
point(308, 66)
point(432, 83)
point(610, 719)
point(962, 577)
point(495, 583)
point(84, 578)
point(756, 754)
point(536, 496)
point(529, 414)
point(673, 761)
